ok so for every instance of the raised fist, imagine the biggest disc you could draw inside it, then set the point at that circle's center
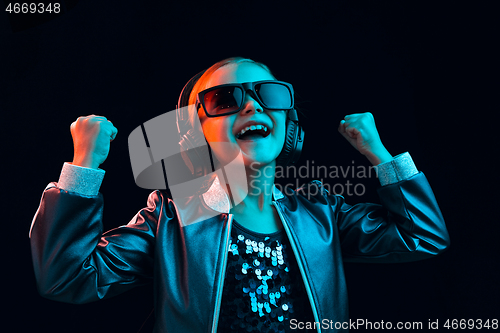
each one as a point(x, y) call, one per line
point(91, 140)
point(360, 131)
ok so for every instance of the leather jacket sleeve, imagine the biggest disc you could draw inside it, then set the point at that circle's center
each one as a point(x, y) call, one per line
point(408, 226)
point(74, 262)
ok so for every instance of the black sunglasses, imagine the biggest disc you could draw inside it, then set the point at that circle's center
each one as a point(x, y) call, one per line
point(227, 99)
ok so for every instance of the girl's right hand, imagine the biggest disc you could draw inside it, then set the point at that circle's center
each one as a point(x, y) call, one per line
point(92, 136)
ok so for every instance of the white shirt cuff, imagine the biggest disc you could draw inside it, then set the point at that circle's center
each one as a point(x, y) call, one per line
point(85, 181)
point(396, 170)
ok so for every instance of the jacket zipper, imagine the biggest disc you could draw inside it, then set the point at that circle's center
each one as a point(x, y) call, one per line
point(220, 286)
point(301, 267)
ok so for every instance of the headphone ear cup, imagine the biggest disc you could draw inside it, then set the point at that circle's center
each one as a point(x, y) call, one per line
point(294, 139)
point(284, 156)
point(299, 142)
point(196, 153)
point(193, 151)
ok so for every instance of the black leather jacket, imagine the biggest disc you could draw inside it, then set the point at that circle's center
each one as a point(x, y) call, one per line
point(74, 262)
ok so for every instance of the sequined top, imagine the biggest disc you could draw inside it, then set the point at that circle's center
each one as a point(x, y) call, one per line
point(263, 288)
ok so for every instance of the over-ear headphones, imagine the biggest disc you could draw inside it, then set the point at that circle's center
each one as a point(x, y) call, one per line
point(294, 140)
point(194, 153)
point(196, 158)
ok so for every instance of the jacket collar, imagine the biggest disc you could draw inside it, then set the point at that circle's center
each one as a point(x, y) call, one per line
point(217, 199)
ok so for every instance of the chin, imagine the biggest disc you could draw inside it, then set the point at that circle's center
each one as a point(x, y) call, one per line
point(262, 155)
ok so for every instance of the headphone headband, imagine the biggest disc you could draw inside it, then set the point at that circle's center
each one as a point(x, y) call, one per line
point(186, 91)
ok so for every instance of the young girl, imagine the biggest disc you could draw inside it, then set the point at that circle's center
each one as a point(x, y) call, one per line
point(270, 262)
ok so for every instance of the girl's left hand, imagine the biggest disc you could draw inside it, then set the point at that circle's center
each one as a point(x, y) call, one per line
point(360, 130)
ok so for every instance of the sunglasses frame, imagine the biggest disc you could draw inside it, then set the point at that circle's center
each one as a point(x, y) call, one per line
point(246, 86)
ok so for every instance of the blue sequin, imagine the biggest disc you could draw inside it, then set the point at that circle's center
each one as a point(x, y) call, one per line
point(262, 283)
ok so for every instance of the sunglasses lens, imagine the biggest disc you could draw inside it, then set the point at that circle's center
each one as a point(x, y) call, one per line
point(274, 95)
point(223, 100)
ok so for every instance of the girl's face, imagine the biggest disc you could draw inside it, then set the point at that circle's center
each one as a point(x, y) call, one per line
point(221, 132)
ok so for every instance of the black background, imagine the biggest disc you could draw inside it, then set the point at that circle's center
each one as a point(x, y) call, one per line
point(423, 70)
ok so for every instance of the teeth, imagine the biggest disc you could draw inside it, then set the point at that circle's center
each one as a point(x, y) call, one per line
point(253, 128)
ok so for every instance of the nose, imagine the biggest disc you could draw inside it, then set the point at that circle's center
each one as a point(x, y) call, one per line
point(250, 105)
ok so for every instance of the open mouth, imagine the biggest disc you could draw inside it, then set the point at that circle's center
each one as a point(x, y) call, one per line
point(253, 132)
